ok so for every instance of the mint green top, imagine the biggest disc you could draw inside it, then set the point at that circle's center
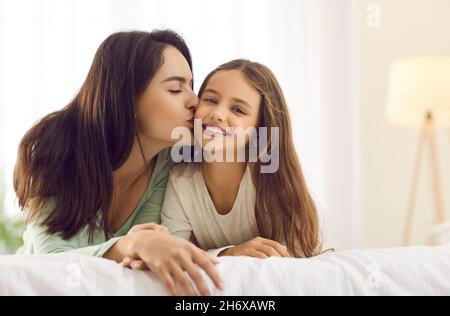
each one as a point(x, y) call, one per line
point(38, 241)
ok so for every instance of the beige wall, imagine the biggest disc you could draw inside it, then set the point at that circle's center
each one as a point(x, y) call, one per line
point(408, 28)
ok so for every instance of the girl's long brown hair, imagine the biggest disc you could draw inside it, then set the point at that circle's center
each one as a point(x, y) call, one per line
point(69, 156)
point(285, 210)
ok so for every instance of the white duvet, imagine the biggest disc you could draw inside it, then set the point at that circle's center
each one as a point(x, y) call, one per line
point(397, 271)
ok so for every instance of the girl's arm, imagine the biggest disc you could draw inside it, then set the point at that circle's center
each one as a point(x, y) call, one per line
point(219, 251)
point(173, 215)
point(257, 247)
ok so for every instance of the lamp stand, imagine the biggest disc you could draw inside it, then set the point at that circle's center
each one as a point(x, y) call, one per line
point(427, 137)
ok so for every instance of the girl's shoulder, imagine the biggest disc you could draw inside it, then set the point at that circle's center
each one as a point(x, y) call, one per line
point(185, 172)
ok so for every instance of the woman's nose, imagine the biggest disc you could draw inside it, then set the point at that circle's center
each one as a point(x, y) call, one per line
point(193, 102)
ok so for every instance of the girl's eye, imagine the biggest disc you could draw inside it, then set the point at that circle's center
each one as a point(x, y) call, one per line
point(175, 91)
point(238, 110)
point(210, 100)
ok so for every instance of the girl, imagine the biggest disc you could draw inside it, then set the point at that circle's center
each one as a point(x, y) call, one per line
point(88, 173)
point(233, 204)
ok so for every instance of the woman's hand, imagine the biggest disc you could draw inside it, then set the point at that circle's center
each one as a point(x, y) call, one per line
point(169, 257)
point(137, 264)
point(148, 226)
point(258, 247)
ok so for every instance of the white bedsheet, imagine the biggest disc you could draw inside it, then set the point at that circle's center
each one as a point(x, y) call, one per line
point(396, 271)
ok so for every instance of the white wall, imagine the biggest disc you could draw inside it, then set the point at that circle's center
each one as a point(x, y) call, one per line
point(408, 28)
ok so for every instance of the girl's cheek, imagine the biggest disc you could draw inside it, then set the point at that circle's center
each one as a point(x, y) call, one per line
point(200, 112)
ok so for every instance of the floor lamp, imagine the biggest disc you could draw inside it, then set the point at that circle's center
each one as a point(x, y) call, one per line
point(419, 96)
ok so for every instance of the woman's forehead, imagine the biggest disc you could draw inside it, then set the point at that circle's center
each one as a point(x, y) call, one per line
point(174, 64)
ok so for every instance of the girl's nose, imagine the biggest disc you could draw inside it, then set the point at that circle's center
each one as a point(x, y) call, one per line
point(217, 116)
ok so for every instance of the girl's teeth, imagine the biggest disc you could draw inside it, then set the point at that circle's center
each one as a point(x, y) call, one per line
point(214, 130)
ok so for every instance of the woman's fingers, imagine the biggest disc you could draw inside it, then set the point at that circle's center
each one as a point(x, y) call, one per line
point(134, 264)
point(181, 277)
point(163, 229)
point(138, 265)
point(167, 279)
point(139, 227)
point(203, 260)
point(214, 260)
point(194, 272)
point(148, 226)
point(126, 262)
point(161, 251)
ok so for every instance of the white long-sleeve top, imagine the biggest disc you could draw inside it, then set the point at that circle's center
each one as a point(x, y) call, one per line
point(189, 212)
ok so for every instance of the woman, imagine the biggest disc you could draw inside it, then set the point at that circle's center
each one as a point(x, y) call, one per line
point(85, 175)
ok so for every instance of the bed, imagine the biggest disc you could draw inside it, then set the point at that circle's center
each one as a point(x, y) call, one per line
point(396, 271)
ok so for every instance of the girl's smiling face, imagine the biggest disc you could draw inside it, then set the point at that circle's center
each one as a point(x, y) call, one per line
point(228, 102)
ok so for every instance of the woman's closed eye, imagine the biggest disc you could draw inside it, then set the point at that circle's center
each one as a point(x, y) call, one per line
point(175, 91)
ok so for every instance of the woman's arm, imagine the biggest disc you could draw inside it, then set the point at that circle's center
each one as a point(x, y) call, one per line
point(169, 257)
point(38, 241)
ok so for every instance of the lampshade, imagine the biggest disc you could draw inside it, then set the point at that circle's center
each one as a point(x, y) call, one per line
point(418, 86)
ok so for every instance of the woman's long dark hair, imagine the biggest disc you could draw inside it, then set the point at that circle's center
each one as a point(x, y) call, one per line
point(70, 155)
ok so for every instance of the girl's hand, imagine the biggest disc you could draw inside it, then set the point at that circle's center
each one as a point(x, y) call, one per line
point(258, 247)
point(170, 257)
